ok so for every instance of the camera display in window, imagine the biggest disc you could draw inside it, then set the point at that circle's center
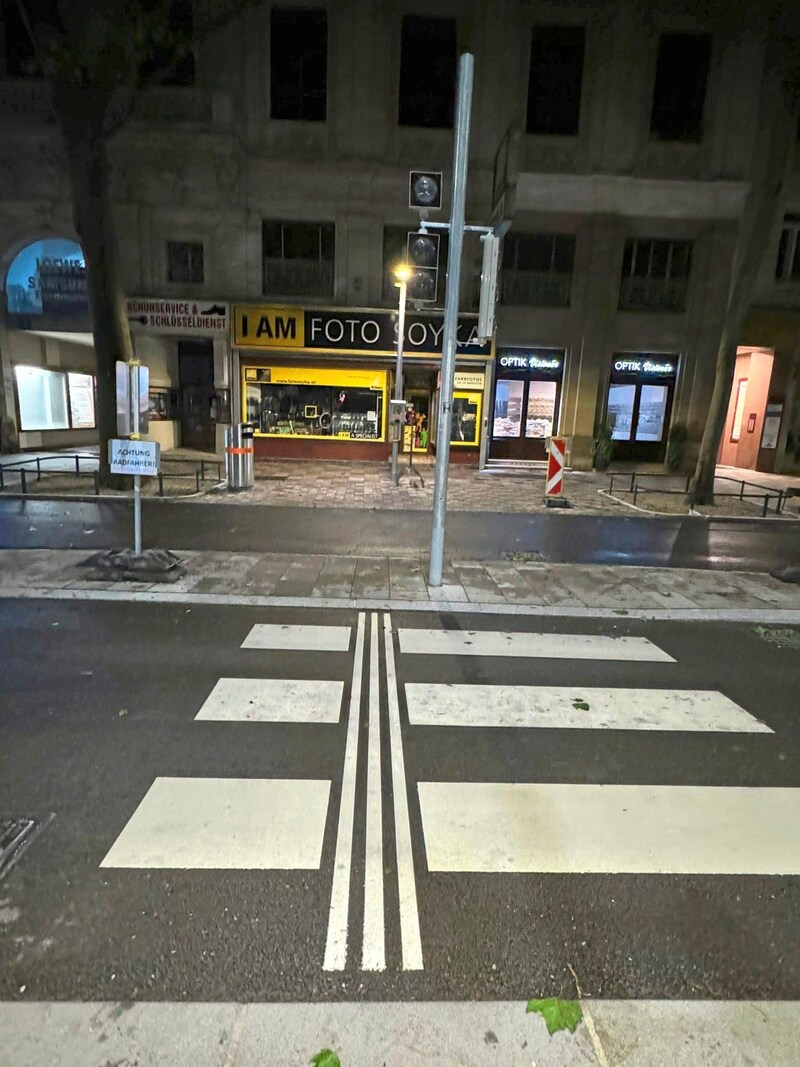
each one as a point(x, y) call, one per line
point(316, 411)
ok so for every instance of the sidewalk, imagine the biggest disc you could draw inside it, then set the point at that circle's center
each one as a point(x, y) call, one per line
point(351, 484)
point(400, 584)
point(614, 1033)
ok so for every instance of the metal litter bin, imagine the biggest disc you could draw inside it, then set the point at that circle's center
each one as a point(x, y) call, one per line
point(239, 456)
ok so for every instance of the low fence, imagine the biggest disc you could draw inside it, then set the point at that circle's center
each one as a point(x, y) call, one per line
point(19, 475)
point(762, 492)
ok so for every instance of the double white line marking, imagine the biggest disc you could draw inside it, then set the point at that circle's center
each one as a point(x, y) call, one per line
point(373, 948)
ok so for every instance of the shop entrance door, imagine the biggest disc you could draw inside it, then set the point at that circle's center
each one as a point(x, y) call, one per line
point(196, 375)
point(418, 435)
point(523, 418)
point(639, 414)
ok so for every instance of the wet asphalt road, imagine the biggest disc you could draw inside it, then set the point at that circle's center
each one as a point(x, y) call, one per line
point(100, 700)
point(558, 538)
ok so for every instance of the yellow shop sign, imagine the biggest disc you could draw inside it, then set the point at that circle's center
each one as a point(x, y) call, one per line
point(268, 327)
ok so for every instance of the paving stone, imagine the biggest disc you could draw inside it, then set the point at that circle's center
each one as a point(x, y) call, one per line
point(406, 580)
point(371, 579)
point(336, 577)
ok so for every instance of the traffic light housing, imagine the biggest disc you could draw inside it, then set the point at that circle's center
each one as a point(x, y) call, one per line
point(488, 298)
point(425, 190)
point(422, 257)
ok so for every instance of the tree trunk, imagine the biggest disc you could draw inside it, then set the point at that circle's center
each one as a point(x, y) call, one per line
point(87, 151)
point(763, 202)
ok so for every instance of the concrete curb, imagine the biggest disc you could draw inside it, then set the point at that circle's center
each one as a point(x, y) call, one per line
point(164, 595)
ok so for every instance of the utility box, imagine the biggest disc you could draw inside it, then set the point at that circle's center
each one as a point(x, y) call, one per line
point(397, 418)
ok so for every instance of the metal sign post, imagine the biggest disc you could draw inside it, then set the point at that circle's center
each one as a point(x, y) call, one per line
point(466, 65)
point(398, 374)
point(137, 478)
point(133, 381)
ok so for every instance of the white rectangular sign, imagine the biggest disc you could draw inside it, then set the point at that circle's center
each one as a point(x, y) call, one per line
point(176, 316)
point(134, 457)
point(132, 378)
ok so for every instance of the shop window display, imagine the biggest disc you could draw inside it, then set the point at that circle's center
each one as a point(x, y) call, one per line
point(508, 408)
point(541, 409)
point(315, 410)
point(466, 422)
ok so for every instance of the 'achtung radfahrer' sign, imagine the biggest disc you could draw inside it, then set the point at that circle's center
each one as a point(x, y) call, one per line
point(346, 330)
point(134, 457)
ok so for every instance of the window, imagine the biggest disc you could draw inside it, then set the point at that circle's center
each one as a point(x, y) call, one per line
point(185, 262)
point(621, 402)
point(428, 57)
point(680, 87)
point(299, 64)
point(298, 258)
point(172, 62)
point(555, 79)
point(787, 269)
point(329, 403)
point(537, 269)
point(54, 400)
point(655, 275)
point(81, 401)
point(394, 252)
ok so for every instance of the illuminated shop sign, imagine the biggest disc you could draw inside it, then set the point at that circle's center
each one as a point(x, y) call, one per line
point(178, 316)
point(348, 330)
point(48, 278)
point(512, 359)
point(644, 366)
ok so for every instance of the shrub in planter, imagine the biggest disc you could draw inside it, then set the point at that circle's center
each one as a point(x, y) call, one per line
point(603, 447)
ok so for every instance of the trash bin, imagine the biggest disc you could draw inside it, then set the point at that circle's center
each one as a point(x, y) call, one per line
point(239, 456)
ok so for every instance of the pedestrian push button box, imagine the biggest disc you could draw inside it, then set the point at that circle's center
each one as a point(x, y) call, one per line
point(397, 418)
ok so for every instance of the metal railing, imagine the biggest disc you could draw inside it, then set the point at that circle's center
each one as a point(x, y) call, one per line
point(764, 492)
point(31, 470)
point(535, 288)
point(652, 294)
point(26, 467)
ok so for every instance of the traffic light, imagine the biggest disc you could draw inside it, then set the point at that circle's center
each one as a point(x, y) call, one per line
point(422, 257)
point(425, 189)
point(488, 299)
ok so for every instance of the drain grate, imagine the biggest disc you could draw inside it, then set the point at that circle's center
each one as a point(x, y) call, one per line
point(15, 836)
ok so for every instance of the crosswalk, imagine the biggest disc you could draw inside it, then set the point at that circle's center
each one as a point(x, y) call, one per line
point(389, 826)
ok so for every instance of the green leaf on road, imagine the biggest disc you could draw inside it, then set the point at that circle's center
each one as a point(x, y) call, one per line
point(581, 705)
point(784, 638)
point(326, 1058)
point(558, 1014)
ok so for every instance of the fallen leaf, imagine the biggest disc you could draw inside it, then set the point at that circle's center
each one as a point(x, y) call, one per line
point(122, 711)
point(580, 705)
point(326, 1058)
point(558, 1014)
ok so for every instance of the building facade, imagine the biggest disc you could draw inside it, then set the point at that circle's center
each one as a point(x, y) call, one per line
point(274, 175)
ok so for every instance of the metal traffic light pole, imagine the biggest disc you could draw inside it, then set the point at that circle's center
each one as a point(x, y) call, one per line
point(466, 66)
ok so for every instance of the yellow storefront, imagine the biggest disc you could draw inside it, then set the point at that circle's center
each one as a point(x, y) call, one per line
point(315, 383)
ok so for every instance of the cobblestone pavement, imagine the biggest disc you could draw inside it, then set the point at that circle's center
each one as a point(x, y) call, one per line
point(368, 485)
point(505, 584)
point(324, 484)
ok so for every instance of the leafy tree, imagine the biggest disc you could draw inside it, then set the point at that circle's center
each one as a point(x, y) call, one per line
point(780, 90)
point(96, 59)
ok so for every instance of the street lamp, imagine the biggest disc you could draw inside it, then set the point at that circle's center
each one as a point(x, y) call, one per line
point(402, 273)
